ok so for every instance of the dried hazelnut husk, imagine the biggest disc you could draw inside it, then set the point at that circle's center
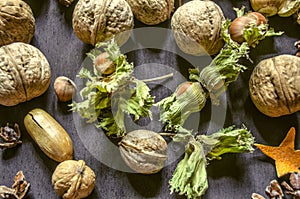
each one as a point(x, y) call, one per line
point(151, 12)
point(239, 24)
point(267, 7)
point(17, 23)
point(197, 27)
point(144, 151)
point(24, 73)
point(73, 179)
point(64, 88)
point(95, 21)
point(103, 64)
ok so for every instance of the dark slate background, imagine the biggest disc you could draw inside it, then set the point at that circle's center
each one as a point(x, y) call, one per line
point(233, 177)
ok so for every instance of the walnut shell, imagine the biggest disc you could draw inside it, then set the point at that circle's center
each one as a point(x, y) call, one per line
point(73, 179)
point(144, 151)
point(197, 27)
point(24, 73)
point(17, 23)
point(95, 21)
point(151, 12)
point(274, 85)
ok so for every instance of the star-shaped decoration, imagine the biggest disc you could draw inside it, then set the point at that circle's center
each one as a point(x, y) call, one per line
point(287, 159)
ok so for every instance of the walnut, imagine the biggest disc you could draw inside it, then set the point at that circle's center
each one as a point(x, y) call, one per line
point(144, 151)
point(16, 22)
point(73, 179)
point(24, 73)
point(197, 27)
point(95, 21)
point(275, 85)
point(151, 12)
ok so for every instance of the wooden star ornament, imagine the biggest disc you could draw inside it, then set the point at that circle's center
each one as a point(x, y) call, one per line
point(287, 159)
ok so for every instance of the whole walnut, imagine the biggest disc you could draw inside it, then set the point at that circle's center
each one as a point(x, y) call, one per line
point(17, 23)
point(274, 85)
point(73, 179)
point(197, 27)
point(151, 12)
point(96, 21)
point(144, 151)
point(24, 73)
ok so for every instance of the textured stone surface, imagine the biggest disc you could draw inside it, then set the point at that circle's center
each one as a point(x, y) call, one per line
point(16, 22)
point(24, 73)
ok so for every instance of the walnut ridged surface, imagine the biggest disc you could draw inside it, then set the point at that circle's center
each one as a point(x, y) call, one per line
point(197, 27)
point(151, 12)
point(274, 85)
point(95, 21)
point(17, 23)
point(24, 73)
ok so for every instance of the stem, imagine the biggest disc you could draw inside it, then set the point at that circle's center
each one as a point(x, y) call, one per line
point(179, 3)
point(158, 78)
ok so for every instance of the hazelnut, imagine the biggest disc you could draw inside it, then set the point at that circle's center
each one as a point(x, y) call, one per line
point(104, 65)
point(64, 88)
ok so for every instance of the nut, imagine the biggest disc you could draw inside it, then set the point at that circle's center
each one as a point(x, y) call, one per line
point(64, 88)
point(104, 65)
point(24, 73)
point(151, 12)
point(49, 135)
point(73, 179)
point(197, 27)
point(239, 24)
point(17, 22)
point(275, 85)
point(96, 21)
point(144, 151)
point(267, 7)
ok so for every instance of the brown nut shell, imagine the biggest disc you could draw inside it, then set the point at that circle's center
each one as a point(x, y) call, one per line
point(96, 21)
point(144, 151)
point(24, 73)
point(267, 7)
point(197, 27)
point(73, 179)
point(151, 12)
point(49, 135)
point(274, 85)
point(64, 88)
point(17, 23)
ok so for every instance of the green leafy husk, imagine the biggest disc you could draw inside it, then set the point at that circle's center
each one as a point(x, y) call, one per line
point(217, 76)
point(176, 108)
point(253, 33)
point(105, 99)
point(190, 176)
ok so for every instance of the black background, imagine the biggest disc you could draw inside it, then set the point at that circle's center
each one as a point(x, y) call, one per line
point(233, 177)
